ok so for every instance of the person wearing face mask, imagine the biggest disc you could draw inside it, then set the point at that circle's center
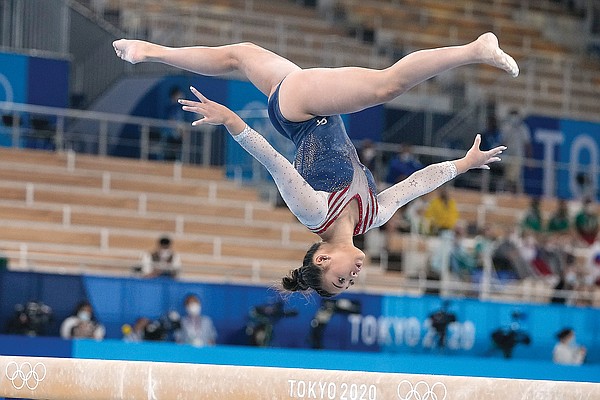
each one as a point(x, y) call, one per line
point(162, 261)
point(403, 165)
point(196, 329)
point(82, 324)
point(515, 135)
point(566, 351)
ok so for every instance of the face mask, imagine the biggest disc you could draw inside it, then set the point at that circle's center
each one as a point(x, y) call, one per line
point(84, 315)
point(193, 309)
point(571, 341)
point(514, 120)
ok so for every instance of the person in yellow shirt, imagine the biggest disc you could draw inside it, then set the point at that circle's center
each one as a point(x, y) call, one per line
point(441, 212)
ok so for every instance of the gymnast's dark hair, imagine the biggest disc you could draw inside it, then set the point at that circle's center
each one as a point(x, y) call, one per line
point(308, 276)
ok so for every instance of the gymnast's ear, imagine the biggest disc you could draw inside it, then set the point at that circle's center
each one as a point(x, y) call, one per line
point(321, 258)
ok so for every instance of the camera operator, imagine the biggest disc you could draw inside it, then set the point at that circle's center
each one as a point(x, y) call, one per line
point(262, 320)
point(31, 319)
point(506, 338)
point(324, 315)
point(82, 324)
point(440, 320)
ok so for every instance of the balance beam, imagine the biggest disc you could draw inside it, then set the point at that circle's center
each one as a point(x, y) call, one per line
point(68, 378)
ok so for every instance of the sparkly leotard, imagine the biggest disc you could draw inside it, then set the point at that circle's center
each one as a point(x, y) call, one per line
point(327, 173)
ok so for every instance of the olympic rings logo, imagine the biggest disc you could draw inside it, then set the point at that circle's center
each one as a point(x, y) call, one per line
point(421, 391)
point(25, 374)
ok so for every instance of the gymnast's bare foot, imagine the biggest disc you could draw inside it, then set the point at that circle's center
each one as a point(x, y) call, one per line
point(491, 53)
point(133, 51)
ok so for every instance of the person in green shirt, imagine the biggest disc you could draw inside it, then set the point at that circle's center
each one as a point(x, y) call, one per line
point(559, 222)
point(533, 221)
point(586, 222)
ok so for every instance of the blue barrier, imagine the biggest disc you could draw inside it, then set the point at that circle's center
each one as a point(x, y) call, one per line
point(328, 359)
point(388, 324)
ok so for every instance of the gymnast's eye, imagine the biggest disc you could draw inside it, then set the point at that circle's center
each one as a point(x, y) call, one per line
point(351, 282)
point(341, 280)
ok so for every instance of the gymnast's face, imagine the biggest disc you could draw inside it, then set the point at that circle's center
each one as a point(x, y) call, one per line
point(341, 267)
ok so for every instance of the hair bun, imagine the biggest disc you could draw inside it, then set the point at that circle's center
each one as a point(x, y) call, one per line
point(295, 281)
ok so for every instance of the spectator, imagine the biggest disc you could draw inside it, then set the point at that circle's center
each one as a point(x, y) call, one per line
point(586, 222)
point(559, 222)
point(566, 351)
point(483, 245)
point(533, 220)
point(402, 165)
point(367, 154)
point(82, 323)
point(196, 329)
point(3, 262)
point(514, 134)
point(441, 212)
point(163, 261)
point(462, 262)
point(172, 139)
point(137, 332)
point(568, 281)
point(490, 138)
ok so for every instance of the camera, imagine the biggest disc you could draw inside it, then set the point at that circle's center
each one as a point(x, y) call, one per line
point(324, 314)
point(32, 319)
point(261, 320)
point(161, 329)
point(506, 338)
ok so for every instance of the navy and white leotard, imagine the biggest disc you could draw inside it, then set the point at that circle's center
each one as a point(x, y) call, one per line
point(327, 174)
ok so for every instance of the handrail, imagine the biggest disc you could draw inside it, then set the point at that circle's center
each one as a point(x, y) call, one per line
point(100, 138)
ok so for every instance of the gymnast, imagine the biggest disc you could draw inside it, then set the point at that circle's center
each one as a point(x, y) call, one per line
point(327, 188)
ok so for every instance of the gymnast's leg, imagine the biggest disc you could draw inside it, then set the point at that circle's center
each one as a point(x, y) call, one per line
point(262, 67)
point(329, 91)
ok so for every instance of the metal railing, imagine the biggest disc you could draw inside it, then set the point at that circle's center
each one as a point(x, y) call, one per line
point(51, 128)
point(97, 137)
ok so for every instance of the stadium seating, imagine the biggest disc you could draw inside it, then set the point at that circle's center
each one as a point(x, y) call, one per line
point(556, 80)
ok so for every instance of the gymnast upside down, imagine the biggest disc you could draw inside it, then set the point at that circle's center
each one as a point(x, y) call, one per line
point(327, 188)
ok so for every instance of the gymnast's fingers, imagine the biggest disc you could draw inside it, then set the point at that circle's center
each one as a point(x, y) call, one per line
point(199, 95)
point(497, 150)
point(194, 109)
point(188, 102)
point(199, 122)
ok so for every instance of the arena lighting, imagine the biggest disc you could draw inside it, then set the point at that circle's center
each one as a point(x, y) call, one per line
point(68, 378)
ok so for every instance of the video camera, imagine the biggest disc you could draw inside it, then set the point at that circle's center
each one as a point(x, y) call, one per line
point(506, 338)
point(261, 320)
point(324, 314)
point(32, 319)
point(440, 320)
point(160, 329)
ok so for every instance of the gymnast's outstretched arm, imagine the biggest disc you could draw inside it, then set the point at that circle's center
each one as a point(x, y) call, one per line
point(431, 177)
point(307, 204)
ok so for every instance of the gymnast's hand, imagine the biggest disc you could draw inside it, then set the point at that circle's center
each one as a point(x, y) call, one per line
point(212, 113)
point(477, 158)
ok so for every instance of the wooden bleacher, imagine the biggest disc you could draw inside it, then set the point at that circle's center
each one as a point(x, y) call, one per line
point(61, 216)
point(311, 39)
point(83, 213)
point(417, 24)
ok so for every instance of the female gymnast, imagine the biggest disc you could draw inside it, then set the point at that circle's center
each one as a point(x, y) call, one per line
point(327, 188)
